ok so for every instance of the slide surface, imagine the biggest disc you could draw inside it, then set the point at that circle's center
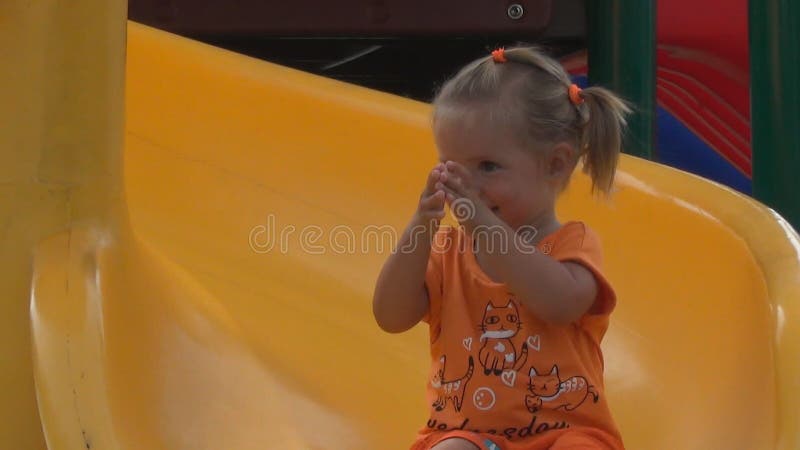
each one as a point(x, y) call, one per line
point(234, 310)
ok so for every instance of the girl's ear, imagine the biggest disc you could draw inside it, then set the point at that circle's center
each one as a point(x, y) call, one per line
point(560, 161)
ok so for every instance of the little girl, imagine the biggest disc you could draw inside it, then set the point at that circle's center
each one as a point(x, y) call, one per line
point(516, 301)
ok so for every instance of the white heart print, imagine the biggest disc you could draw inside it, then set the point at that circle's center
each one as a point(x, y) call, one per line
point(534, 342)
point(467, 344)
point(509, 377)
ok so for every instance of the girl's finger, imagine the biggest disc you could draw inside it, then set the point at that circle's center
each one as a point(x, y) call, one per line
point(459, 172)
point(432, 207)
point(435, 200)
point(447, 189)
point(434, 176)
point(430, 183)
point(456, 185)
point(457, 169)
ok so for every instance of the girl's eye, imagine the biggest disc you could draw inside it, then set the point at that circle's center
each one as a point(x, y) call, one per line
point(488, 166)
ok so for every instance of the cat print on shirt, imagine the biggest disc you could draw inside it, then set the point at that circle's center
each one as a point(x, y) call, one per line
point(498, 353)
point(452, 390)
point(552, 393)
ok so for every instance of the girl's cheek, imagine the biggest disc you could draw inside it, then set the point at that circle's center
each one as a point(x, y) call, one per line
point(497, 191)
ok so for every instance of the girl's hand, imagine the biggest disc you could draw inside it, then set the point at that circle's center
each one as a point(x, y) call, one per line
point(432, 200)
point(463, 197)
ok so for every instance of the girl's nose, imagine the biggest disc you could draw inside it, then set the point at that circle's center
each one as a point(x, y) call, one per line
point(482, 196)
point(479, 187)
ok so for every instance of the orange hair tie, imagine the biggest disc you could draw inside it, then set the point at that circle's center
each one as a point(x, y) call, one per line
point(575, 94)
point(499, 55)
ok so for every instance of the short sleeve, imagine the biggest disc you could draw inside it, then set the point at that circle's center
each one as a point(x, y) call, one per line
point(577, 243)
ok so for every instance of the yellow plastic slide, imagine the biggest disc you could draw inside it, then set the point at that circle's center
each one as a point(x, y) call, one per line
point(223, 302)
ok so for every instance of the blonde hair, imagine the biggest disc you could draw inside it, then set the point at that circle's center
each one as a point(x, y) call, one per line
point(529, 92)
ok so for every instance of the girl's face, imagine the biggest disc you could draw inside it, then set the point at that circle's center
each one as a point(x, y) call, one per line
point(516, 183)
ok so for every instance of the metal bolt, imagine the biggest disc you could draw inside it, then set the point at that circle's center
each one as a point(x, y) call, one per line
point(515, 11)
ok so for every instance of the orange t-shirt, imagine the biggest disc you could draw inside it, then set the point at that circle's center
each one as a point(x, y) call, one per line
point(500, 371)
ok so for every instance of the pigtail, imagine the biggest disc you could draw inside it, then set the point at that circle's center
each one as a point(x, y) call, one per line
point(602, 134)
